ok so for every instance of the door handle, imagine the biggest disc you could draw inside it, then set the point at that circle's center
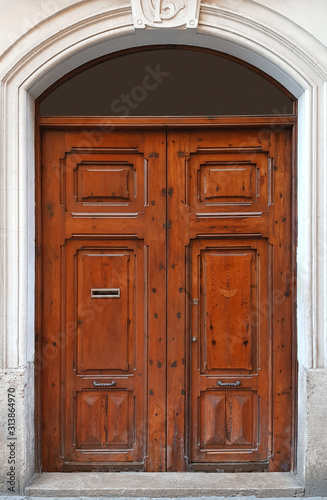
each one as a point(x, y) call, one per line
point(229, 384)
point(104, 384)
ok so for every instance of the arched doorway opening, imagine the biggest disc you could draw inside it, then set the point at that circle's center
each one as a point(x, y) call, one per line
point(168, 262)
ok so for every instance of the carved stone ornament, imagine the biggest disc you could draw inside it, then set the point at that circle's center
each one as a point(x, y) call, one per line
point(165, 13)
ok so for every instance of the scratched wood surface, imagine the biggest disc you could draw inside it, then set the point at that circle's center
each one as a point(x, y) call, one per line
point(166, 287)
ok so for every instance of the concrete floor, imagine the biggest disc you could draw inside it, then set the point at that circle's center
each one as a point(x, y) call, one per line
point(168, 485)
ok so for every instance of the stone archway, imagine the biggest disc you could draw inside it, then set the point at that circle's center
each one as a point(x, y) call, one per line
point(85, 33)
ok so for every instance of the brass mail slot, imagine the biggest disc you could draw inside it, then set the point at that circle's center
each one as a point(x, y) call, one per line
point(105, 293)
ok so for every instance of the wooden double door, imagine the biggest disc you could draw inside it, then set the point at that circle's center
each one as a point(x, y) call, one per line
point(165, 297)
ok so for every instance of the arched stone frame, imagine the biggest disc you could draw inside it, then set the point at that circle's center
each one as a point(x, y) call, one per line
point(87, 30)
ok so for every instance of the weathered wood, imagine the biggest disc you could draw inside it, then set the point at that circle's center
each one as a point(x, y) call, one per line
point(189, 233)
point(93, 244)
point(155, 277)
point(178, 304)
point(100, 125)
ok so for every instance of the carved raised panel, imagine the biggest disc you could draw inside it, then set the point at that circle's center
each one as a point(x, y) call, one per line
point(213, 416)
point(104, 420)
point(119, 429)
point(104, 181)
point(228, 420)
point(236, 181)
point(89, 409)
point(227, 183)
point(105, 322)
point(98, 183)
point(227, 303)
point(242, 416)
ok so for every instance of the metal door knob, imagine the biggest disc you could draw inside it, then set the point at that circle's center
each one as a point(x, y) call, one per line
point(194, 339)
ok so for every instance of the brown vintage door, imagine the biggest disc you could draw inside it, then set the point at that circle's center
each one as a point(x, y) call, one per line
point(166, 298)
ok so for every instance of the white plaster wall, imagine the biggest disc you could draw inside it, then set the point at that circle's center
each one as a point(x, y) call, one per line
point(20, 16)
point(311, 16)
point(40, 40)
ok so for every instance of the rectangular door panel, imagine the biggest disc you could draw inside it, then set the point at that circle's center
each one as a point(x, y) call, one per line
point(227, 302)
point(230, 350)
point(106, 309)
point(233, 179)
point(227, 182)
point(105, 420)
point(106, 178)
point(105, 351)
point(100, 182)
point(227, 418)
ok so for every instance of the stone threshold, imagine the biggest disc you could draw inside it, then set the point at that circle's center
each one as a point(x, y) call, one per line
point(165, 484)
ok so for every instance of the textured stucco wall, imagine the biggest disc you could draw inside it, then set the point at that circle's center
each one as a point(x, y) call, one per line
point(16, 429)
point(316, 443)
